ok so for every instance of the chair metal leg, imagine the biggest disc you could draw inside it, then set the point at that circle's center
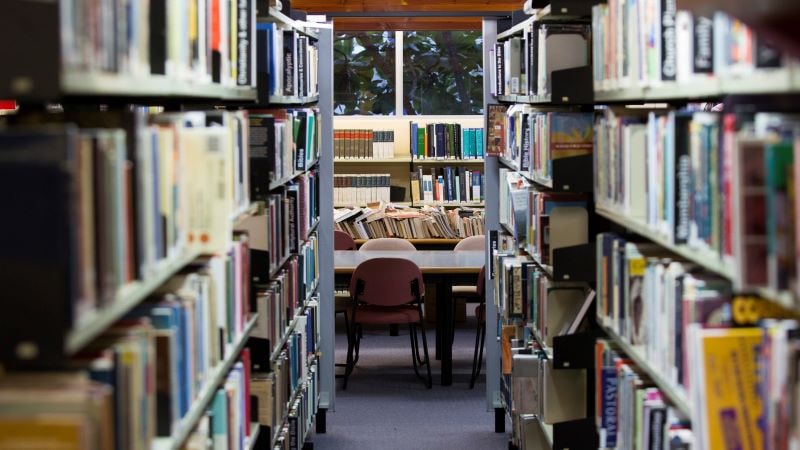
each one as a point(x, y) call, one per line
point(358, 337)
point(429, 384)
point(347, 333)
point(412, 335)
point(477, 359)
point(351, 345)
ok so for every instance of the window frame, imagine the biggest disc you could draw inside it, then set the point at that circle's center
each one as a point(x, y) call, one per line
point(399, 91)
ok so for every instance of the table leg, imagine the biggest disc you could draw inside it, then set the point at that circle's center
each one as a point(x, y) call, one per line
point(444, 325)
point(439, 315)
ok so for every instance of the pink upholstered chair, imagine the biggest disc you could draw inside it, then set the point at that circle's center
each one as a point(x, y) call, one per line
point(480, 335)
point(388, 291)
point(392, 244)
point(343, 241)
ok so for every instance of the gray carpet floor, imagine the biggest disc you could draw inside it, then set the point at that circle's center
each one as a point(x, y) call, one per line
point(387, 407)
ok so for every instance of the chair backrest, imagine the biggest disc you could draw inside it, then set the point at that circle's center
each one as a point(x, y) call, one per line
point(480, 286)
point(387, 244)
point(387, 282)
point(477, 242)
point(343, 241)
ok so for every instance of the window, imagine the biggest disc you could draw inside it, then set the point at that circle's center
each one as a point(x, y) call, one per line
point(441, 73)
point(364, 73)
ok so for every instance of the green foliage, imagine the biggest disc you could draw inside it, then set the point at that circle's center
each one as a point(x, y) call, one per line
point(443, 72)
point(363, 73)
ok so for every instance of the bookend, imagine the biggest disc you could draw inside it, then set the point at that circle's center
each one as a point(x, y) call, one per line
point(574, 351)
point(578, 8)
point(575, 434)
point(572, 86)
point(575, 263)
point(39, 79)
point(573, 174)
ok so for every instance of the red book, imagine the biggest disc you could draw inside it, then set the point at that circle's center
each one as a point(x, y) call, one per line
point(245, 357)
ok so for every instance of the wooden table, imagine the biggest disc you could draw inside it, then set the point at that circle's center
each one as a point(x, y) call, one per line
point(443, 268)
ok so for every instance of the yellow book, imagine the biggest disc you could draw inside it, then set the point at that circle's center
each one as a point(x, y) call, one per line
point(61, 432)
point(728, 388)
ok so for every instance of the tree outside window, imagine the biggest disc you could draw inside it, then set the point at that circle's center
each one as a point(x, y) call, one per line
point(441, 73)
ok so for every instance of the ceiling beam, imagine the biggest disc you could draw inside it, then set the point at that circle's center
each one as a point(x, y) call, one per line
point(406, 23)
point(458, 7)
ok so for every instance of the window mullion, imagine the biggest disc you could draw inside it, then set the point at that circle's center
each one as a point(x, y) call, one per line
point(398, 73)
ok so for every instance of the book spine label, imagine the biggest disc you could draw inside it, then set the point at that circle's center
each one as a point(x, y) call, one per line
point(703, 45)
point(669, 57)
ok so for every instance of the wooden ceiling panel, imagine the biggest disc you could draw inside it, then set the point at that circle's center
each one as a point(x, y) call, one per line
point(410, 6)
point(405, 23)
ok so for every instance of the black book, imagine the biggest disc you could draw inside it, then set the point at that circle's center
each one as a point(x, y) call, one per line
point(459, 143)
point(41, 168)
point(767, 55)
point(289, 58)
point(262, 154)
point(683, 178)
point(448, 184)
point(245, 42)
point(300, 140)
point(441, 144)
point(703, 44)
point(430, 150)
point(499, 69)
point(302, 82)
point(462, 183)
point(533, 63)
point(158, 37)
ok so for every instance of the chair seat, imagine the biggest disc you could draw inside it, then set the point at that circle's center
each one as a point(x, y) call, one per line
point(464, 291)
point(385, 315)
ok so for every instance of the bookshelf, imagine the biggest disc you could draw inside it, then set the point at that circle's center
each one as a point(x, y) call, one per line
point(129, 70)
point(525, 176)
point(708, 260)
point(200, 404)
point(676, 395)
point(76, 83)
point(130, 276)
point(126, 298)
point(747, 89)
point(358, 158)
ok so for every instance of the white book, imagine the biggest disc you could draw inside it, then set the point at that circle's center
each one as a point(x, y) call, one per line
point(683, 45)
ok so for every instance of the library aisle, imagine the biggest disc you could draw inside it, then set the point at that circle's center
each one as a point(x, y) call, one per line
point(384, 407)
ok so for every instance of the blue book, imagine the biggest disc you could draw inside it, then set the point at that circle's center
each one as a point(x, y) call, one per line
point(479, 142)
point(414, 144)
point(219, 420)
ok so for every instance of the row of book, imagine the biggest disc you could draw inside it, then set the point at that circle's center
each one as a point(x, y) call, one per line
point(649, 43)
point(534, 387)
point(525, 65)
point(288, 66)
point(283, 142)
point(124, 212)
point(362, 188)
point(279, 301)
point(279, 383)
point(759, 364)
point(363, 144)
point(548, 308)
point(535, 138)
point(447, 185)
point(228, 419)
point(650, 299)
point(529, 214)
point(718, 183)
point(445, 141)
point(409, 223)
point(630, 411)
point(138, 380)
point(211, 42)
